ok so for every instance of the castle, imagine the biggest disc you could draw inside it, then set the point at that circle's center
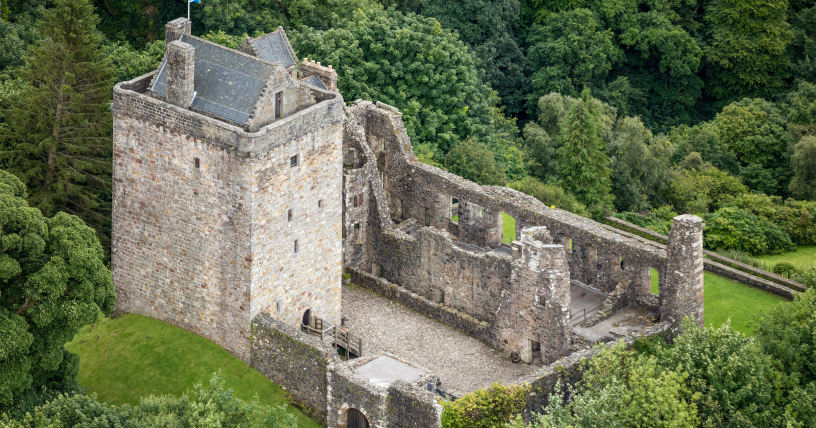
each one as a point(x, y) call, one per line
point(244, 187)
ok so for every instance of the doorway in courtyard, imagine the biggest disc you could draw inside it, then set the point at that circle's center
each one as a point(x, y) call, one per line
point(356, 419)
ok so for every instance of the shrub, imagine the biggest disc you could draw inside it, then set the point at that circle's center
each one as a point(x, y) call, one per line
point(550, 194)
point(485, 408)
point(735, 229)
point(798, 218)
point(649, 222)
point(784, 269)
point(704, 190)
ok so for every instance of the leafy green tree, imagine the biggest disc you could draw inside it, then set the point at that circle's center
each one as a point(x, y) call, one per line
point(486, 25)
point(18, 30)
point(205, 406)
point(570, 50)
point(732, 382)
point(54, 281)
point(129, 63)
point(583, 167)
point(58, 132)
point(786, 333)
point(474, 161)
point(703, 139)
point(412, 63)
point(803, 46)
point(542, 136)
point(640, 166)
point(621, 389)
point(704, 190)
point(755, 131)
point(747, 47)
point(139, 22)
point(801, 111)
point(550, 194)
point(803, 162)
point(734, 229)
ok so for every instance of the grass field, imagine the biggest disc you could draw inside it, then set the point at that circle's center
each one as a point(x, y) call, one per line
point(725, 298)
point(804, 257)
point(134, 356)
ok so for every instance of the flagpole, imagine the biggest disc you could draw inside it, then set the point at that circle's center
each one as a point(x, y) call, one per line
point(188, 10)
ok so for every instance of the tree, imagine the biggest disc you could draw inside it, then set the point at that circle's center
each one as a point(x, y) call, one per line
point(54, 281)
point(803, 46)
point(803, 162)
point(129, 63)
point(474, 161)
point(747, 48)
point(640, 166)
point(205, 406)
point(412, 63)
point(755, 131)
point(620, 389)
point(704, 190)
point(786, 334)
point(17, 30)
point(58, 132)
point(570, 50)
point(486, 25)
point(734, 229)
point(583, 167)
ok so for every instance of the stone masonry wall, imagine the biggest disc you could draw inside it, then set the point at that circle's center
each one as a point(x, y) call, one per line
point(286, 283)
point(297, 362)
point(181, 247)
point(683, 295)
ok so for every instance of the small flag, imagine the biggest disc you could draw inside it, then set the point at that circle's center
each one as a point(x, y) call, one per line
point(195, 1)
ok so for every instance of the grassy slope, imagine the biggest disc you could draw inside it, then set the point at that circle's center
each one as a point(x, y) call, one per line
point(725, 298)
point(803, 257)
point(135, 356)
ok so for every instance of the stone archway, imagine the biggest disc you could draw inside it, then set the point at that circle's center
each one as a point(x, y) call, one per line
point(356, 419)
point(306, 316)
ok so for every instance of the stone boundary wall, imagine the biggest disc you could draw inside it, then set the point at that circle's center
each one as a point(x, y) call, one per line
point(129, 102)
point(725, 266)
point(298, 362)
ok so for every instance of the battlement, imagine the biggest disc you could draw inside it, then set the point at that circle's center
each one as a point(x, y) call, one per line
point(326, 76)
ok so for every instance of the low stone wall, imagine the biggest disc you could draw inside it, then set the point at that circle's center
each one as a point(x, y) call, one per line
point(438, 311)
point(724, 266)
point(295, 361)
point(410, 407)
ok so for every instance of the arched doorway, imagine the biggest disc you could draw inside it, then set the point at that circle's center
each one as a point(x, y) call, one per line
point(306, 316)
point(356, 419)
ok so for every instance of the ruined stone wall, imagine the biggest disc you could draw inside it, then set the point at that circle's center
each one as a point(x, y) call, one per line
point(181, 248)
point(286, 282)
point(297, 362)
point(411, 407)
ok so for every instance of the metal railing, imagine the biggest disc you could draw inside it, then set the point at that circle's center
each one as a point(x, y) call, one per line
point(583, 314)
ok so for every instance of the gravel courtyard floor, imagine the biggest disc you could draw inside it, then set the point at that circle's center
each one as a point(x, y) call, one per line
point(460, 361)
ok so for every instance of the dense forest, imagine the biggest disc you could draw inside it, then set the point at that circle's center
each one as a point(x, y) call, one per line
point(637, 108)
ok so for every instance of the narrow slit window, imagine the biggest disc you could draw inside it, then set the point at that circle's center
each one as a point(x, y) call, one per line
point(358, 200)
point(290, 214)
point(427, 216)
point(278, 104)
point(294, 161)
point(197, 163)
point(296, 246)
point(277, 307)
point(321, 203)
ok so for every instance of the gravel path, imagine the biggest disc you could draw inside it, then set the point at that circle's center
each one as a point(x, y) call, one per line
point(460, 361)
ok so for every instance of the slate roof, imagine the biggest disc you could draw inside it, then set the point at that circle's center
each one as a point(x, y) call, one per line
point(314, 81)
point(228, 84)
point(274, 48)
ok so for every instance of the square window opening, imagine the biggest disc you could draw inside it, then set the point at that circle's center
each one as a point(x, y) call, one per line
point(197, 163)
point(321, 203)
point(294, 161)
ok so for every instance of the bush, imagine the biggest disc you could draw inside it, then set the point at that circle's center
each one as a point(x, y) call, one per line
point(798, 218)
point(735, 229)
point(784, 269)
point(550, 194)
point(703, 191)
point(485, 408)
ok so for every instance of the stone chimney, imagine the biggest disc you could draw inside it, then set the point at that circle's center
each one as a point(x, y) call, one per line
point(327, 75)
point(175, 28)
point(180, 73)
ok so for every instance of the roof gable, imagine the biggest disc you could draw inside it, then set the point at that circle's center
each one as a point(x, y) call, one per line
point(228, 83)
point(274, 47)
point(314, 81)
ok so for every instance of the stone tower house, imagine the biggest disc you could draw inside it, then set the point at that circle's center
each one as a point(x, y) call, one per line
point(227, 175)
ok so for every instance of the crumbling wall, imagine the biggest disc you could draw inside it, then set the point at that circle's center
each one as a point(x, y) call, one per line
point(412, 407)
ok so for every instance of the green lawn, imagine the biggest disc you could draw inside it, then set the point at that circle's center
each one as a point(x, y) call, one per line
point(134, 356)
point(725, 298)
point(803, 257)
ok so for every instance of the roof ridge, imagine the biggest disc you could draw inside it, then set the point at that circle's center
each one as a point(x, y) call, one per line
point(230, 49)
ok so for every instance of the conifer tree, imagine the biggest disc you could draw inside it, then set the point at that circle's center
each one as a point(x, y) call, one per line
point(57, 135)
point(583, 168)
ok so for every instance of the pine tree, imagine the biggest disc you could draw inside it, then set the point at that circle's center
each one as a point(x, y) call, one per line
point(583, 168)
point(57, 135)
